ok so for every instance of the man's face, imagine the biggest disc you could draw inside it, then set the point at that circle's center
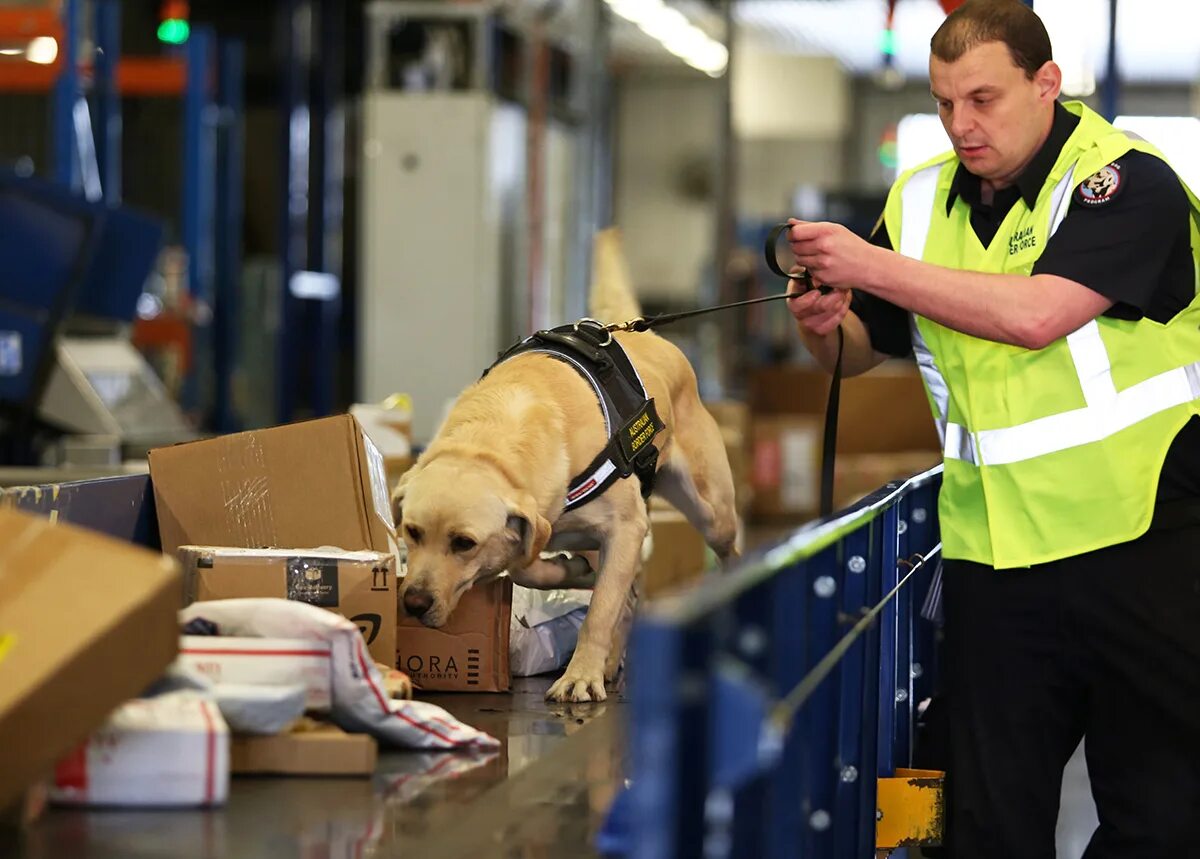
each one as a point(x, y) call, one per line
point(993, 113)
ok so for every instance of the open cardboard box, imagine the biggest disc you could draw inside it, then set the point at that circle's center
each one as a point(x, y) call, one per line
point(314, 483)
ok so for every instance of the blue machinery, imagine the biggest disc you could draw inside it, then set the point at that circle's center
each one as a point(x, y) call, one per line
point(86, 149)
point(766, 702)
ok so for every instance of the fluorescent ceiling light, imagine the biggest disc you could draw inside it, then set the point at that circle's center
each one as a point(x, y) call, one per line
point(678, 35)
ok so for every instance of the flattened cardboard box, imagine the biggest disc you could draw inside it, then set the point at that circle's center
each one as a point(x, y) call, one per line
point(360, 586)
point(315, 483)
point(86, 623)
point(469, 653)
point(327, 750)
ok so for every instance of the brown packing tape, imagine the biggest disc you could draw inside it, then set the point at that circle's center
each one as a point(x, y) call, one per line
point(244, 487)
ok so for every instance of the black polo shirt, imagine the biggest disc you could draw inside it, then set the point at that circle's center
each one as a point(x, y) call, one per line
point(1133, 246)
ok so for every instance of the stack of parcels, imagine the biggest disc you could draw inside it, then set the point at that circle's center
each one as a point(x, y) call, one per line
point(242, 699)
point(321, 483)
point(885, 432)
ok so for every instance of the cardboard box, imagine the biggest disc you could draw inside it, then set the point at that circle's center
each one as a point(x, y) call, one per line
point(786, 470)
point(883, 411)
point(360, 586)
point(262, 662)
point(734, 420)
point(316, 483)
point(468, 654)
point(326, 750)
point(884, 427)
point(679, 554)
point(168, 751)
point(86, 623)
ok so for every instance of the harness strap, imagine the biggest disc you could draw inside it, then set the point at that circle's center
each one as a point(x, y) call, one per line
point(630, 417)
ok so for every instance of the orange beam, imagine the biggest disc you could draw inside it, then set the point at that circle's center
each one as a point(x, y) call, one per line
point(27, 22)
point(136, 76)
point(151, 76)
point(18, 75)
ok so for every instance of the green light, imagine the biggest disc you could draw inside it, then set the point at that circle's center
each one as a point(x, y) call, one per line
point(889, 154)
point(887, 42)
point(173, 31)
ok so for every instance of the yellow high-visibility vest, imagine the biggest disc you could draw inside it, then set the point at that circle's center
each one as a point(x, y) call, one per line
point(1053, 452)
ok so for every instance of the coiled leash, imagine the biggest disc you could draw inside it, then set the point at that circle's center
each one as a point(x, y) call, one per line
point(829, 444)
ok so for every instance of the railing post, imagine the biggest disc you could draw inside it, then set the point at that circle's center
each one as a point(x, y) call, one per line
point(818, 718)
point(854, 771)
point(903, 731)
point(922, 532)
point(888, 642)
point(869, 740)
point(670, 690)
point(790, 657)
point(758, 639)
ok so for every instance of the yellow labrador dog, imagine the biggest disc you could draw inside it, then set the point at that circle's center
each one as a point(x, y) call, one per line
point(488, 493)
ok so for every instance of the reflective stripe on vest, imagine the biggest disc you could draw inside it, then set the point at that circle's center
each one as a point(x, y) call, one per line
point(919, 193)
point(1107, 410)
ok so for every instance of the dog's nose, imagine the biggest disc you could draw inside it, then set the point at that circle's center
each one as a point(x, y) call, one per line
point(416, 603)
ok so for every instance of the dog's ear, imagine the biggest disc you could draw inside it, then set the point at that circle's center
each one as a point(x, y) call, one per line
point(398, 496)
point(528, 528)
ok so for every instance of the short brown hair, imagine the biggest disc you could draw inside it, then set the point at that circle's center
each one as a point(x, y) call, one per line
point(1007, 21)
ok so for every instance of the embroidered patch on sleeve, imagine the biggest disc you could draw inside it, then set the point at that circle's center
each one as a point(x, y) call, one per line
point(1101, 187)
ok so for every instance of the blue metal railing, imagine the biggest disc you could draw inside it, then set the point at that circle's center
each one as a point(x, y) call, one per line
point(766, 701)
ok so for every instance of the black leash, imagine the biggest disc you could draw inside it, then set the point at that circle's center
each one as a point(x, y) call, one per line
point(643, 323)
point(829, 445)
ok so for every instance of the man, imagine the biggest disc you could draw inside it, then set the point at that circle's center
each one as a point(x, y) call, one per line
point(1044, 275)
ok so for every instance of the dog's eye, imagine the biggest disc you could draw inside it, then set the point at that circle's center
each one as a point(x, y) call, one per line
point(461, 544)
point(414, 533)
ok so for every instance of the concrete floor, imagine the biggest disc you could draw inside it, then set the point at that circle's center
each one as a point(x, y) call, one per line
point(543, 795)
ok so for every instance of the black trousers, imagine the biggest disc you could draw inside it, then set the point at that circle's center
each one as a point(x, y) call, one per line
point(1104, 645)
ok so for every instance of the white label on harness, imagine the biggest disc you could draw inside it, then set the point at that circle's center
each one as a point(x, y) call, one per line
point(10, 353)
point(798, 472)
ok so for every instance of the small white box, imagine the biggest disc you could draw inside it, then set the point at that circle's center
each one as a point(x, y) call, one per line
point(172, 750)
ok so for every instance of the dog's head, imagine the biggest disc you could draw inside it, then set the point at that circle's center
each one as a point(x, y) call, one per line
point(462, 522)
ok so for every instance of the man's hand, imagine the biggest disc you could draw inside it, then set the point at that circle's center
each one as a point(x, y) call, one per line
point(817, 313)
point(832, 254)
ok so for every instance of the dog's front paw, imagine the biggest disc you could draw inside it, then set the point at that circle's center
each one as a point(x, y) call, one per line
point(578, 684)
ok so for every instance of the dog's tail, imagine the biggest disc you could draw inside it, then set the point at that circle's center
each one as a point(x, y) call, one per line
point(612, 297)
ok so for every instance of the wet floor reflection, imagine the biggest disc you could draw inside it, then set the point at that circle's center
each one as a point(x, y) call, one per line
point(542, 795)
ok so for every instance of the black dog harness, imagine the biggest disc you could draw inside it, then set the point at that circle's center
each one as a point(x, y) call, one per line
point(630, 419)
